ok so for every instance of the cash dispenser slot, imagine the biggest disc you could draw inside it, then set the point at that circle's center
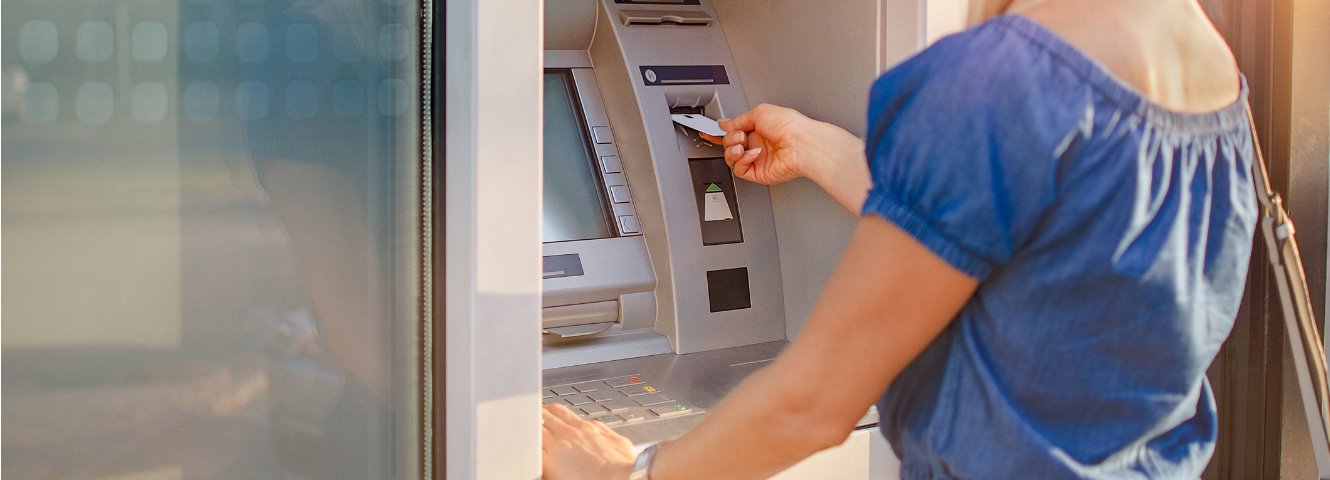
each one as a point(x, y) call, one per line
point(691, 18)
point(568, 321)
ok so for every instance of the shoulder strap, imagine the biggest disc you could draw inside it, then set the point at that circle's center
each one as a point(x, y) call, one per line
point(1299, 320)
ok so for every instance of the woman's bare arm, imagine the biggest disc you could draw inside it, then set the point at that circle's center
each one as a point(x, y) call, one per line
point(889, 297)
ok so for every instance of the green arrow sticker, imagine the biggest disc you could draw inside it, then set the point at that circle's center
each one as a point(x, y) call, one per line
point(713, 188)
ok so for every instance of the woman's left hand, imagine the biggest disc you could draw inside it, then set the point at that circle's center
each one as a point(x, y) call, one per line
point(574, 448)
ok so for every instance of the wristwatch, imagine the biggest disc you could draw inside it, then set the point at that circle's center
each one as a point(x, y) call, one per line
point(642, 466)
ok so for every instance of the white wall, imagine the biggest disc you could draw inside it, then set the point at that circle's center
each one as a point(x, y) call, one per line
point(493, 193)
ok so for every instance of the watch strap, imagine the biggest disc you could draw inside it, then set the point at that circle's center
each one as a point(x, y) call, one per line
point(642, 465)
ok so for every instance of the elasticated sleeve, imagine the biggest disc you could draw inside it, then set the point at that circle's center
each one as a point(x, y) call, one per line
point(957, 160)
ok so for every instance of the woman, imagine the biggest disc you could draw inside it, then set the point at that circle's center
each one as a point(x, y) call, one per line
point(1057, 217)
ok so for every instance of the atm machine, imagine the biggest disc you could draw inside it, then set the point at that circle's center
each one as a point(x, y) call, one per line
point(662, 273)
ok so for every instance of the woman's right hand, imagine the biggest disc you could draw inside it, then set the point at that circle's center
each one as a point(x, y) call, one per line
point(771, 145)
point(763, 144)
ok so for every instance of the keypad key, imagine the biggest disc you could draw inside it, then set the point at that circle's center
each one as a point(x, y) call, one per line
point(561, 391)
point(671, 410)
point(588, 387)
point(623, 381)
point(601, 396)
point(653, 399)
point(577, 400)
point(548, 401)
point(631, 417)
point(638, 390)
point(618, 405)
point(594, 410)
point(546, 393)
point(610, 420)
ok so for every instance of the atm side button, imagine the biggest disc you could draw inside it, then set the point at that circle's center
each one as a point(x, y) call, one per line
point(620, 194)
point(602, 135)
point(671, 410)
point(628, 224)
point(610, 164)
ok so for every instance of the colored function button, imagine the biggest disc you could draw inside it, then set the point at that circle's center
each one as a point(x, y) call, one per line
point(671, 410)
point(636, 391)
point(623, 381)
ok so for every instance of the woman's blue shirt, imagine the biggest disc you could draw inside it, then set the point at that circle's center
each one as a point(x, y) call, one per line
point(1111, 238)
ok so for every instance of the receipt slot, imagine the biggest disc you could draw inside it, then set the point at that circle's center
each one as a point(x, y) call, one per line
point(717, 207)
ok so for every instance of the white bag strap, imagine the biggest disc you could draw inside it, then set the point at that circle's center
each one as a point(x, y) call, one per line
point(1299, 320)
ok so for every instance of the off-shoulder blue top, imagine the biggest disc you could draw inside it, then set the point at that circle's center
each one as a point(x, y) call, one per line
point(1111, 238)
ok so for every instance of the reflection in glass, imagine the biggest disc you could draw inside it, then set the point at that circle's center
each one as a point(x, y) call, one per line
point(205, 239)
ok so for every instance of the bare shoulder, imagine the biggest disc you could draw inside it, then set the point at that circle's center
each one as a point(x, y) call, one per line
point(1165, 49)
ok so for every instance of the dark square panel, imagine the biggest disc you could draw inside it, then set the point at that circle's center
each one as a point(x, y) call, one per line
point(728, 289)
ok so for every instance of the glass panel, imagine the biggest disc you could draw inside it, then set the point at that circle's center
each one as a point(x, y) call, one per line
point(209, 238)
point(574, 206)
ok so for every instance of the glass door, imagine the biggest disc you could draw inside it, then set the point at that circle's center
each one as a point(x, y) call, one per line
point(210, 238)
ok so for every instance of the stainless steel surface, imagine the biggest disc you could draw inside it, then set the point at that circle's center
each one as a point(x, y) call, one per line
point(579, 314)
point(612, 266)
point(654, 158)
point(613, 345)
point(698, 380)
point(579, 330)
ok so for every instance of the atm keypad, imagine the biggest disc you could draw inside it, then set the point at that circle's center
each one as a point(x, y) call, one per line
point(670, 410)
point(623, 381)
point(576, 400)
point(653, 399)
point(637, 390)
point(617, 401)
point(594, 410)
point(589, 386)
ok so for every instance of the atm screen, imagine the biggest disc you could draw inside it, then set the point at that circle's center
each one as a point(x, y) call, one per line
point(574, 205)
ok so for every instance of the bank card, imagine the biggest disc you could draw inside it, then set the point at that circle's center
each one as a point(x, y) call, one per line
point(698, 122)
